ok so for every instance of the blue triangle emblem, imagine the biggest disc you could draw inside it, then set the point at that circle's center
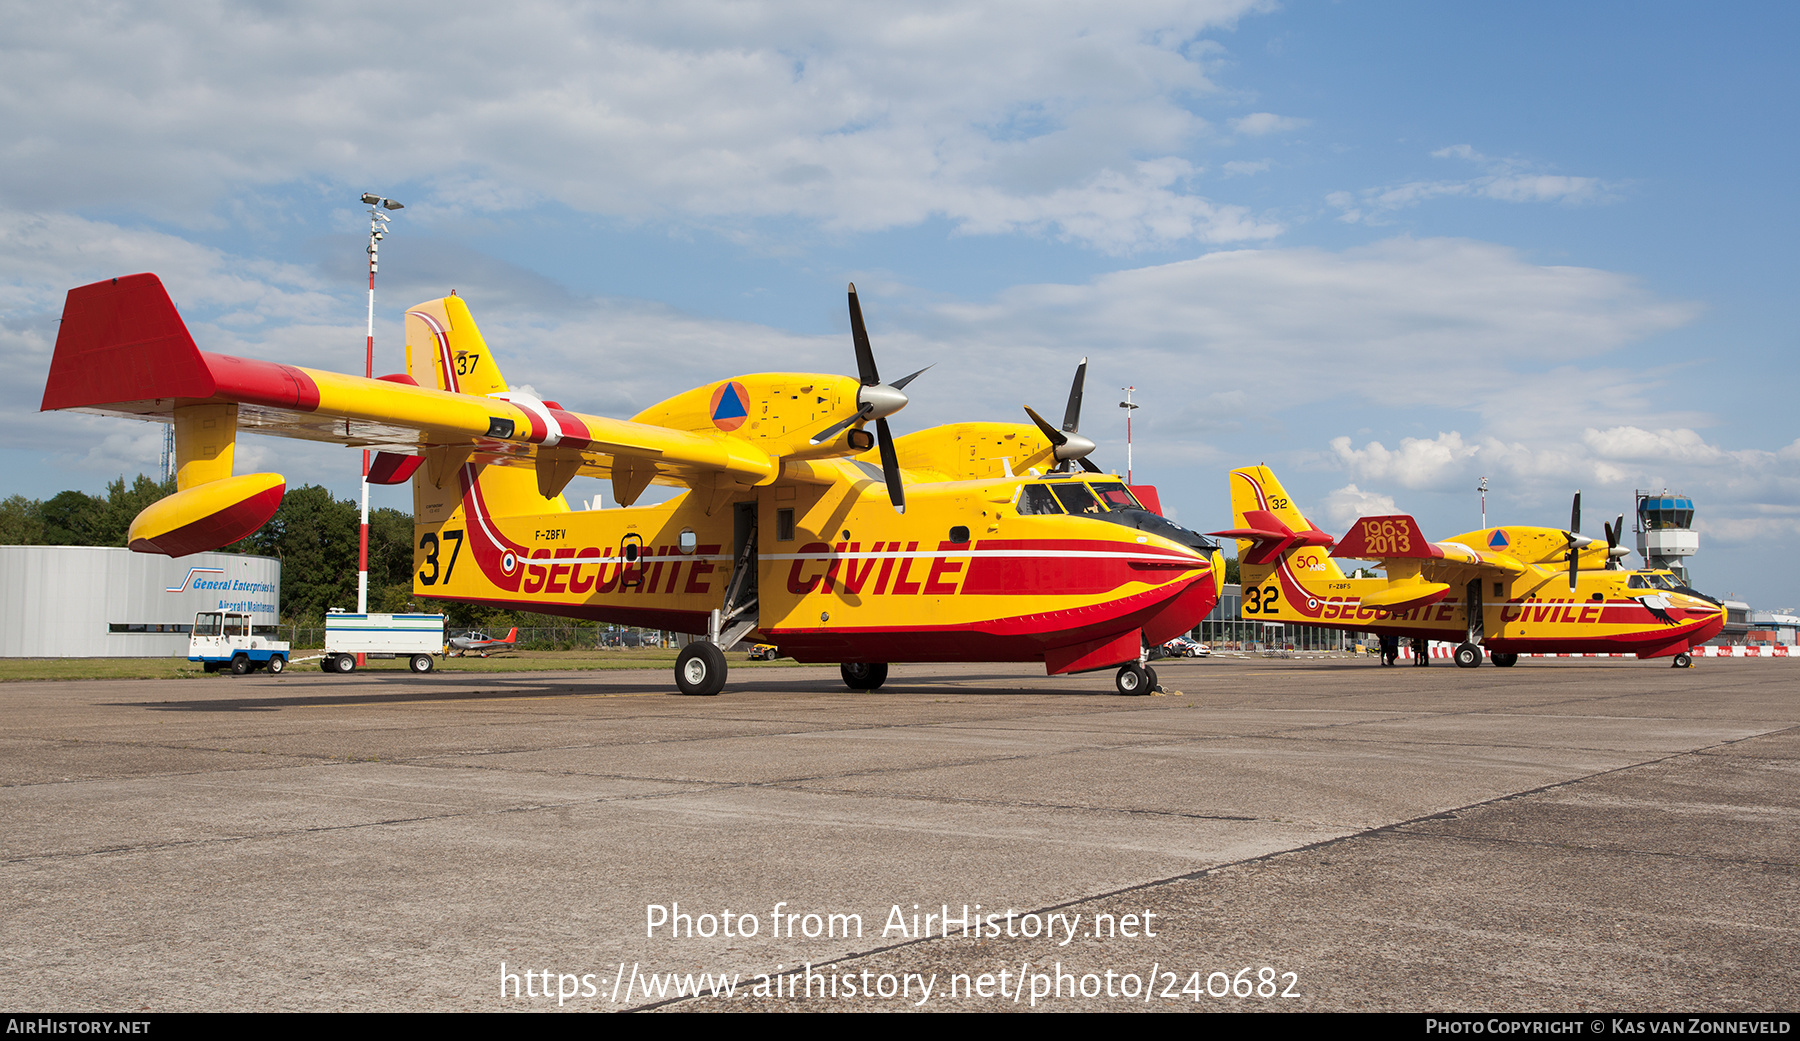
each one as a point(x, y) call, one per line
point(730, 407)
point(1498, 540)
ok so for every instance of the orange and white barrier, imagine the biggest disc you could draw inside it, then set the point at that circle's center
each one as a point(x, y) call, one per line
point(1777, 650)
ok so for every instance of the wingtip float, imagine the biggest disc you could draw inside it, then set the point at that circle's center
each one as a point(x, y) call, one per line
point(977, 541)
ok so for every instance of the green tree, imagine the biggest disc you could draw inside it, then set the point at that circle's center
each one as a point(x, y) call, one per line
point(21, 522)
point(315, 538)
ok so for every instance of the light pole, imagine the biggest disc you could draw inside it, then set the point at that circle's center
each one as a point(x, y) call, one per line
point(378, 222)
point(1483, 490)
point(1129, 409)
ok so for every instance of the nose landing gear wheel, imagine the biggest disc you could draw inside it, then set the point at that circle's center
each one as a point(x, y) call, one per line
point(1134, 680)
point(1468, 656)
point(700, 669)
point(864, 675)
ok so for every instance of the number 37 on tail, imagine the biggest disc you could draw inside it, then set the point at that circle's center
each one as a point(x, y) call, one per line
point(803, 519)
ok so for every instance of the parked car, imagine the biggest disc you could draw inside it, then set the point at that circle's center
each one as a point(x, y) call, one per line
point(764, 652)
point(1186, 647)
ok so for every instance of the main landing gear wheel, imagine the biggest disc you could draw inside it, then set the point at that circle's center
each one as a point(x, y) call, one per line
point(700, 669)
point(1133, 680)
point(1504, 659)
point(421, 663)
point(341, 663)
point(1467, 656)
point(864, 675)
point(1684, 660)
point(240, 665)
point(276, 664)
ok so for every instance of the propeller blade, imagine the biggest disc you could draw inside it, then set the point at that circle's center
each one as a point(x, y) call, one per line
point(865, 355)
point(1575, 513)
point(890, 465)
point(1056, 436)
point(1090, 467)
point(900, 384)
point(836, 428)
point(1072, 414)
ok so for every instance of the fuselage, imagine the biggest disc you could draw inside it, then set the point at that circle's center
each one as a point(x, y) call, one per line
point(1063, 569)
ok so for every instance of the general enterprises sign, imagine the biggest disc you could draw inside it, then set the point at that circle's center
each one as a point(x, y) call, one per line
point(89, 601)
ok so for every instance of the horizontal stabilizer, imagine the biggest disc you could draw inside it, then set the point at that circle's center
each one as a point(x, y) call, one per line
point(1272, 537)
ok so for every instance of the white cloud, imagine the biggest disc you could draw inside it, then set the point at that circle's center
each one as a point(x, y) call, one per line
point(1244, 168)
point(1505, 180)
point(1346, 504)
point(1256, 124)
point(1068, 119)
point(1417, 463)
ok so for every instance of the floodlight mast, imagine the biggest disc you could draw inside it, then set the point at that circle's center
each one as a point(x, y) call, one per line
point(378, 222)
point(1129, 409)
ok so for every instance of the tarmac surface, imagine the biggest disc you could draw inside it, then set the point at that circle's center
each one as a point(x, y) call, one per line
point(1313, 835)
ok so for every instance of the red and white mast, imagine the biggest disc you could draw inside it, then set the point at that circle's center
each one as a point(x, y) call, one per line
point(378, 222)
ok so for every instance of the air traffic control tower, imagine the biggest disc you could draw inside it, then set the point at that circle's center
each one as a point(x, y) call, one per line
point(1665, 531)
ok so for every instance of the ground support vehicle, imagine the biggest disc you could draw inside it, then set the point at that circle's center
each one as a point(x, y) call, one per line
point(416, 637)
point(225, 640)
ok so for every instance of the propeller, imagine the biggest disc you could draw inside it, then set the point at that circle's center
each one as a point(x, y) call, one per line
point(876, 400)
point(1576, 539)
point(1615, 555)
point(1067, 444)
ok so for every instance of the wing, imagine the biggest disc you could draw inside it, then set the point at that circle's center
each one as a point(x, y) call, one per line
point(1419, 571)
point(123, 349)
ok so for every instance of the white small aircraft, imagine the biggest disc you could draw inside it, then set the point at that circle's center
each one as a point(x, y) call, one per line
point(480, 643)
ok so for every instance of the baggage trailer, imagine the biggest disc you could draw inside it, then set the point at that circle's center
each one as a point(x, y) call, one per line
point(224, 639)
point(413, 636)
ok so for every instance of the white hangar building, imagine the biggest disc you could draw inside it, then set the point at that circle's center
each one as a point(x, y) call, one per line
point(99, 602)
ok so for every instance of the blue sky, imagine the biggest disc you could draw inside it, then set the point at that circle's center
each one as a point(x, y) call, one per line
point(1387, 248)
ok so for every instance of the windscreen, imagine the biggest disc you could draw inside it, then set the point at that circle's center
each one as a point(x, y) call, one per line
point(1116, 496)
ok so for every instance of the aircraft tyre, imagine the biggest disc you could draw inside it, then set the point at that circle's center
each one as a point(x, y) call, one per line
point(1468, 656)
point(1504, 659)
point(700, 669)
point(1155, 687)
point(276, 664)
point(864, 675)
point(421, 663)
point(1133, 680)
point(341, 663)
point(240, 665)
point(1684, 660)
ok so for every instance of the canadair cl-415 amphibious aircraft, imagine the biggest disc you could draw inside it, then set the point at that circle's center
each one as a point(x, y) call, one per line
point(1510, 589)
point(967, 542)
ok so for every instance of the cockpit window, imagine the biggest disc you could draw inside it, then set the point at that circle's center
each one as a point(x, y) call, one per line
point(1036, 499)
point(1077, 499)
point(1116, 496)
